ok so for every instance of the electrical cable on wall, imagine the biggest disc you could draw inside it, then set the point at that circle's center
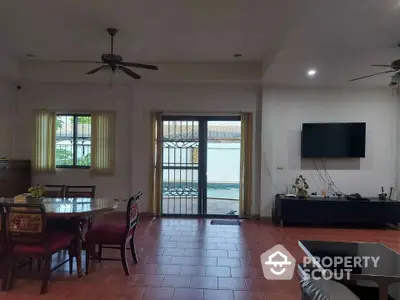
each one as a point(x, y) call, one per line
point(320, 180)
point(332, 186)
point(328, 180)
point(316, 182)
point(268, 171)
point(332, 182)
point(323, 179)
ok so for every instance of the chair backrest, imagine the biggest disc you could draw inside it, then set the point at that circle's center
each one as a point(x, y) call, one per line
point(25, 223)
point(80, 191)
point(2, 224)
point(54, 190)
point(132, 213)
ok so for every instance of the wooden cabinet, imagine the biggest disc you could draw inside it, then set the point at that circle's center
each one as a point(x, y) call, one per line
point(15, 177)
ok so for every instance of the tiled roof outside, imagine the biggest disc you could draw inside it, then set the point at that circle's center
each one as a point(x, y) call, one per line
point(191, 131)
point(186, 130)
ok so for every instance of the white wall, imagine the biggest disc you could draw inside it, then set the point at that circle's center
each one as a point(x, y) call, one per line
point(7, 101)
point(80, 98)
point(223, 162)
point(277, 134)
point(283, 113)
point(133, 106)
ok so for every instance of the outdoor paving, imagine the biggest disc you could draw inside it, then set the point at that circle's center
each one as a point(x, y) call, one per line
point(189, 205)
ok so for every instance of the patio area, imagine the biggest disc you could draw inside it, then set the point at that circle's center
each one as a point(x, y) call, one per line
point(189, 205)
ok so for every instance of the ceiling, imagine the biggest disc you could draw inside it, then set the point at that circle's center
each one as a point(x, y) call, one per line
point(340, 38)
point(150, 30)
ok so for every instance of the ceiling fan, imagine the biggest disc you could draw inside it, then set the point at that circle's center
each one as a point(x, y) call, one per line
point(114, 62)
point(395, 68)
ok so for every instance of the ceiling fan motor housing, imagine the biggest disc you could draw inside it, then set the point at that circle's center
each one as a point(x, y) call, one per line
point(396, 64)
point(111, 58)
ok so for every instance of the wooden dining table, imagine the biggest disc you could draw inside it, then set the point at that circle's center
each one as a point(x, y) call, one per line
point(74, 210)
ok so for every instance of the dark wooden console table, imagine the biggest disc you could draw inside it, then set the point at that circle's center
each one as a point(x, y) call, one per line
point(335, 211)
point(15, 177)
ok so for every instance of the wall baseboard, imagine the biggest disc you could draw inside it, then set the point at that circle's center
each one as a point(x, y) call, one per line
point(121, 215)
point(259, 218)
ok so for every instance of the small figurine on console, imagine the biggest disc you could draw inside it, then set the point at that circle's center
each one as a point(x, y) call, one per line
point(301, 187)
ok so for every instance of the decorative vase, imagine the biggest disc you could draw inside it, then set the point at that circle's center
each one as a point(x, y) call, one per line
point(301, 194)
point(33, 200)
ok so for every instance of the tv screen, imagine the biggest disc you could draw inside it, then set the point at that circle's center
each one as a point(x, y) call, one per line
point(323, 140)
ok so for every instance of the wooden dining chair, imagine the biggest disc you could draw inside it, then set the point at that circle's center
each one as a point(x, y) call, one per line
point(3, 248)
point(27, 235)
point(115, 235)
point(3, 245)
point(84, 191)
point(54, 190)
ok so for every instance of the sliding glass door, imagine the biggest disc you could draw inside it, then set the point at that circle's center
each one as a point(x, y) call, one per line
point(201, 165)
point(223, 167)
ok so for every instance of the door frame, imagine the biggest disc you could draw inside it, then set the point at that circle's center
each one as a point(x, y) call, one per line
point(202, 162)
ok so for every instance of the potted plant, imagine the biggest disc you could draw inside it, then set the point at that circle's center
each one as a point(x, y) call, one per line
point(36, 192)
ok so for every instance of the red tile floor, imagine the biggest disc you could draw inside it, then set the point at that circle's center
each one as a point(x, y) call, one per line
point(189, 259)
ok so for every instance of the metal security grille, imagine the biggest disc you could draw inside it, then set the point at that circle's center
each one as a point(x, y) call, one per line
point(83, 140)
point(73, 141)
point(180, 167)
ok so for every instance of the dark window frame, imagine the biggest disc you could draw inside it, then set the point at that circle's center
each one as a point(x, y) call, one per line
point(74, 138)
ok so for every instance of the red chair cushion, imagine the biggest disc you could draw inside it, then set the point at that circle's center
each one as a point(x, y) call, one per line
point(57, 241)
point(106, 234)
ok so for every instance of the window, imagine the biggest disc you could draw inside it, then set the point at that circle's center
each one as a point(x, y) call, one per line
point(73, 141)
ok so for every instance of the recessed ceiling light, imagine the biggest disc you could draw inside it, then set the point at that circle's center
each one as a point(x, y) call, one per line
point(237, 55)
point(311, 72)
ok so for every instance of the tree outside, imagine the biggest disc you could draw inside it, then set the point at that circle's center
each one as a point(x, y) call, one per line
point(64, 153)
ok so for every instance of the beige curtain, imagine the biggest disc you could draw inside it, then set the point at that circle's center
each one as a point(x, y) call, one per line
point(156, 163)
point(246, 157)
point(44, 148)
point(103, 143)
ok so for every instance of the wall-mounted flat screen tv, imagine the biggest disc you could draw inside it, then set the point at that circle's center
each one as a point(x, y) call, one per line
point(333, 140)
